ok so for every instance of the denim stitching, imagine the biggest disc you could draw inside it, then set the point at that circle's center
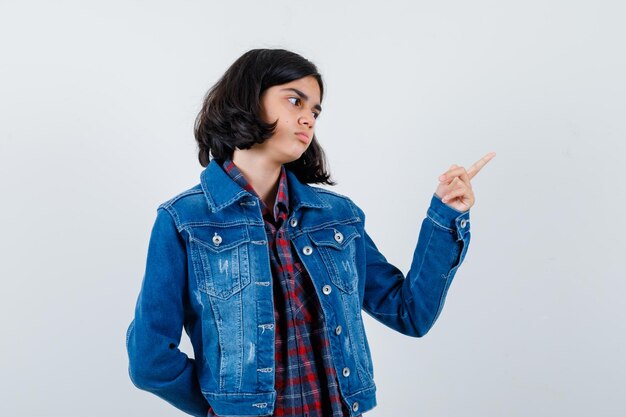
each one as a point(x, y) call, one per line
point(439, 224)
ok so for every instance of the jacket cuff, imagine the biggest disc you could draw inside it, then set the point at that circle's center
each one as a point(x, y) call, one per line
point(448, 217)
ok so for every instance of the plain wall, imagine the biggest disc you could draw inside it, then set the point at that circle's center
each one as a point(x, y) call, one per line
point(97, 104)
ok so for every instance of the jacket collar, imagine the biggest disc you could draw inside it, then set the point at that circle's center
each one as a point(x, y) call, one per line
point(221, 191)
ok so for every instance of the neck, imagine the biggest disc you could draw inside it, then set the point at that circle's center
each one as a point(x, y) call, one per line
point(260, 171)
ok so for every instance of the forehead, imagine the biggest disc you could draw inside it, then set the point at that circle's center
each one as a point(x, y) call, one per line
point(308, 85)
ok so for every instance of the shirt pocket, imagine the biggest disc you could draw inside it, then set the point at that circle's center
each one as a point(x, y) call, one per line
point(337, 247)
point(221, 259)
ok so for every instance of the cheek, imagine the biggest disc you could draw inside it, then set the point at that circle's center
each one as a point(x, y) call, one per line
point(283, 125)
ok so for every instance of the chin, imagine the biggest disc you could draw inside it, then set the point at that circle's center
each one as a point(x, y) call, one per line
point(292, 158)
point(295, 155)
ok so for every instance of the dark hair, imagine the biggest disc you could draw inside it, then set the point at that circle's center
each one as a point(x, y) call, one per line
point(231, 113)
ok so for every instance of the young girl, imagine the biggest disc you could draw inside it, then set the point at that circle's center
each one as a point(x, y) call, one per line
point(267, 274)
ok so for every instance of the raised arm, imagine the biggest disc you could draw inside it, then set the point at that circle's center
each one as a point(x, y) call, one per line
point(412, 304)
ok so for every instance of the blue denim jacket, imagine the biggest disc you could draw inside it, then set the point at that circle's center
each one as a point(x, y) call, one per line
point(208, 271)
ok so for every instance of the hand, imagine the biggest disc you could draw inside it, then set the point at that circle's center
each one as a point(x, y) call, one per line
point(455, 188)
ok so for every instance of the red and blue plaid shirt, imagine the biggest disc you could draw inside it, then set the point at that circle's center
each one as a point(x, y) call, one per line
point(306, 381)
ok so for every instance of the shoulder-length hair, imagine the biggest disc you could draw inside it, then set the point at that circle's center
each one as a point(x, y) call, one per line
point(231, 112)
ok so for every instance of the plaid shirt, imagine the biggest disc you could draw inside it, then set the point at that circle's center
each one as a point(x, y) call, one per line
point(306, 382)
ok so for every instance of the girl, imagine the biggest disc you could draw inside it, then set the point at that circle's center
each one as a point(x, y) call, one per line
point(267, 274)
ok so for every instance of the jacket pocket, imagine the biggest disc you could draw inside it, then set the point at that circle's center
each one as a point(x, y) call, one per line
point(336, 244)
point(221, 259)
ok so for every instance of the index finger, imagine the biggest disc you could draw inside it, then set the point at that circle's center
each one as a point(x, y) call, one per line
point(480, 164)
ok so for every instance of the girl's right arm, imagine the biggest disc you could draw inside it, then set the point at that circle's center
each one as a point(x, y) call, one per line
point(155, 362)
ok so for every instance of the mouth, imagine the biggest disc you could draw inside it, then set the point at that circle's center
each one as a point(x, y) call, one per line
point(303, 136)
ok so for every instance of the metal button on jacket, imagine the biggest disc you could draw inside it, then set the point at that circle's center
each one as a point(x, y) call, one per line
point(338, 330)
point(346, 371)
point(307, 250)
point(463, 222)
point(338, 237)
point(326, 289)
point(355, 406)
point(293, 222)
point(217, 239)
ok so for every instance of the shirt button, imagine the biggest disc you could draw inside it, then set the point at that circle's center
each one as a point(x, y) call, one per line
point(293, 222)
point(338, 330)
point(326, 289)
point(355, 406)
point(463, 223)
point(346, 371)
point(217, 239)
point(307, 250)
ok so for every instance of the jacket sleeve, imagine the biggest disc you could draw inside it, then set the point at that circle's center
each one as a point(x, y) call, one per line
point(412, 304)
point(155, 362)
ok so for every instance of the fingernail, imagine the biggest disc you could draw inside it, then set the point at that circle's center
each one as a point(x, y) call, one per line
point(443, 177)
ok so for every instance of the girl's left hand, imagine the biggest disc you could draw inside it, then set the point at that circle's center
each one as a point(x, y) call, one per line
point(455, 188)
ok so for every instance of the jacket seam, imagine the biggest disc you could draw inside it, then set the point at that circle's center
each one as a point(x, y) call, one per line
point(179, 196)
point(439, 224)
point(172, 212)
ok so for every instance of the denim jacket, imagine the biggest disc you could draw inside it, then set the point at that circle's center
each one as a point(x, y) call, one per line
point(208, 271)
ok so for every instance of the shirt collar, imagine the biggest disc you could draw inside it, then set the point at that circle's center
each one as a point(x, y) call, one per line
point(282, 195)
point(221, 190)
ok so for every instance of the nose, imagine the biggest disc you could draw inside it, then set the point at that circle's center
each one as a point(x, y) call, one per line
point(307, 119)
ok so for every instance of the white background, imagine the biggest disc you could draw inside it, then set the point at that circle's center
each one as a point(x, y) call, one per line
point(97, 104)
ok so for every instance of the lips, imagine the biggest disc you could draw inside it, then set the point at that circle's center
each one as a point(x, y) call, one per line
point(303, 136)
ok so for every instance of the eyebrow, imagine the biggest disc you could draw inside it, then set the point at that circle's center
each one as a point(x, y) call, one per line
point(303, 96)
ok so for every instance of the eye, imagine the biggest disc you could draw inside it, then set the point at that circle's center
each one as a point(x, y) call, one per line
point(297, 101)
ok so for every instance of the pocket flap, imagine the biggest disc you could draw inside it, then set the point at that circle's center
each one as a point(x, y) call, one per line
point(218, 239)
point(337, 236)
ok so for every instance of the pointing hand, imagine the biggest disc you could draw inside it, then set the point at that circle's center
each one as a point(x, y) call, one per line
point(455, 188)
